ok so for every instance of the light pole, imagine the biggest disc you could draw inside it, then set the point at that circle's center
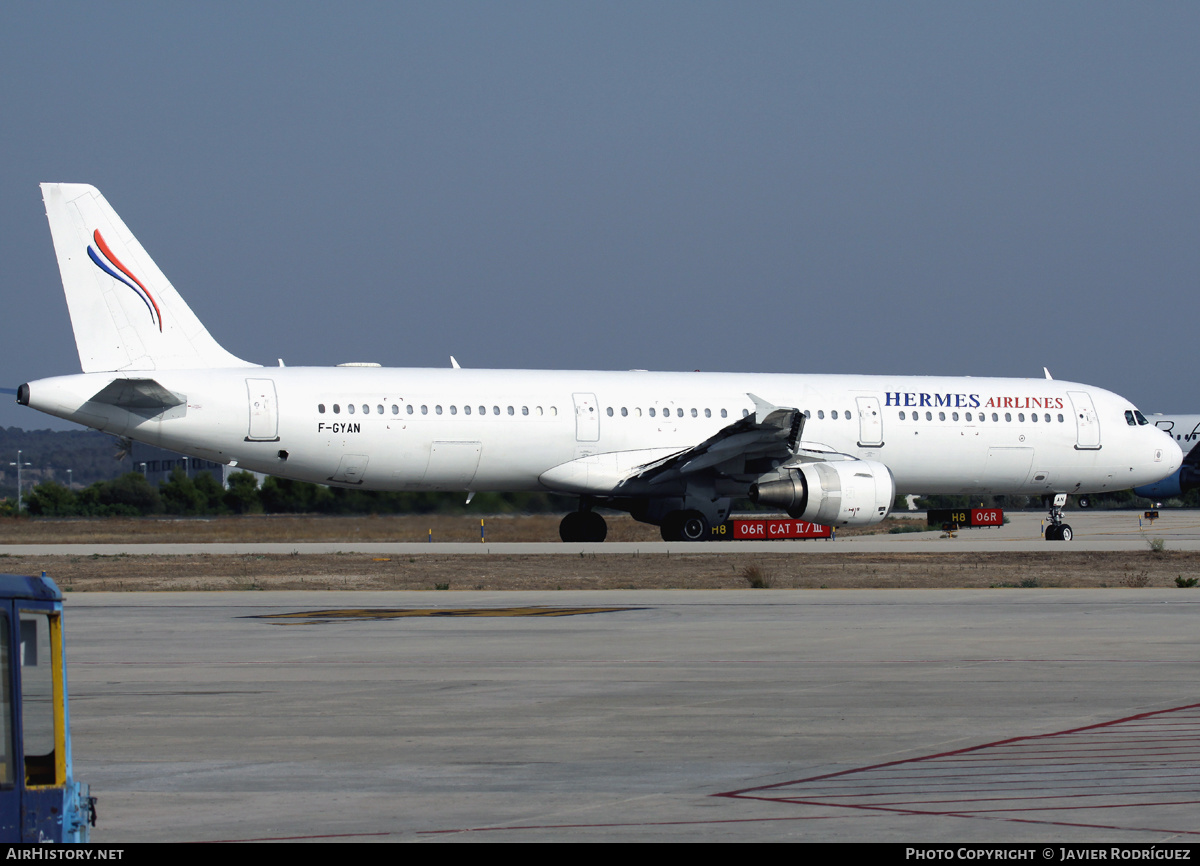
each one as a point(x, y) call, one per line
point(70, 479)
point(19, 464)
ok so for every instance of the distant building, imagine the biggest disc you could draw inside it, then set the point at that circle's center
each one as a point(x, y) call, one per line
point(157, 464)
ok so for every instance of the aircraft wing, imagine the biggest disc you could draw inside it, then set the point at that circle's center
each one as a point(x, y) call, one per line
point(769, 437)
point(742, 451)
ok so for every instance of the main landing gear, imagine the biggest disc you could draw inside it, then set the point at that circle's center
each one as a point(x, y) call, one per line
point(1056, 530)
point(583, 526)
point(685, 526)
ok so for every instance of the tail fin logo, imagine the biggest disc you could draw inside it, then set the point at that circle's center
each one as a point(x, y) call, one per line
point(111, 265)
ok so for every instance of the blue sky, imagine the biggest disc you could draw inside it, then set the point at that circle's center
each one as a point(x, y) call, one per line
point(927, 188)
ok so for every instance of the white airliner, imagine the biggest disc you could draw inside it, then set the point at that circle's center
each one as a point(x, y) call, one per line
point(672, 449)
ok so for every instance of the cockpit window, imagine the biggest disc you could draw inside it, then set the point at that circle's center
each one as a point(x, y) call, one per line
point(1141, 419)
point(1129, 419)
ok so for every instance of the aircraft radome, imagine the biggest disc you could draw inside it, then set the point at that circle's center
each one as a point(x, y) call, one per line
point(672, 449)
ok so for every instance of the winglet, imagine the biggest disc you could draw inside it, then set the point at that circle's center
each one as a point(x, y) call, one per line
point(1047, 372)
point(761, 408)
point(454, 363)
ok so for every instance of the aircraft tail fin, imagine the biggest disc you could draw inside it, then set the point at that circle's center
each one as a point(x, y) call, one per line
point(125, 312)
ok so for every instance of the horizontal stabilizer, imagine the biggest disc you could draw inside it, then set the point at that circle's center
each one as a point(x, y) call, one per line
point(138, 394)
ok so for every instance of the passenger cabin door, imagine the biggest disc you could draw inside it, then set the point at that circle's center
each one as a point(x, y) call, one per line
point(264, 412)
point(587, 418)
point(1087, 423)
point(870, 422)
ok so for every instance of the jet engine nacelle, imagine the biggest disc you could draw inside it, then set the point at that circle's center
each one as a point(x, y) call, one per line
point(842, 493)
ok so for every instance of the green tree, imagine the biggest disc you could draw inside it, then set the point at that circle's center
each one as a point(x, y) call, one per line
point(180, 496)
point(242, 495)
point(51, 499)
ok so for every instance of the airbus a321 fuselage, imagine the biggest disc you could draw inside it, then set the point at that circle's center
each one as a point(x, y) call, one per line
point(672, 449)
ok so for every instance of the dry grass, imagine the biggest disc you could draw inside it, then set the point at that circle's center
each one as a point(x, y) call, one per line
point(288, 527)
point(699, 570)
point(609, 571)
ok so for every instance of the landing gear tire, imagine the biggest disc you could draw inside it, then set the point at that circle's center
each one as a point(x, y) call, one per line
point(1065, 533)
point(1085, 502)
point(685, 526)
point(587, 526)
point(1052, 533)
point(694, 527)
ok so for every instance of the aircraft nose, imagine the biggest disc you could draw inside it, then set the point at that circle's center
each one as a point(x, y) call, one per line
point(1167, 454)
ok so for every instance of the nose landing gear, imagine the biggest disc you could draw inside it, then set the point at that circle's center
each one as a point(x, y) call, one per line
point(1057, 530)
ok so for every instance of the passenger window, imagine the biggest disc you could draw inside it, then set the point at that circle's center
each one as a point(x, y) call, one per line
point(553, 410)
point(1008, 416)
point(609, 411)
point(483, 410)
point(1061, 419)
point(321, 408)
point(396, 409)
point(524, 410)
point(954, 416)
point(695, 414)
point(708, 413)
point(410, 408)
point(453, 410)
point(1033, 417)
point(651, 411)
point(928, 416)
point(1021, 417)
point(901, 414)
point(1047, 417)
point(746, 412)
point(624, 411)
point(438, 409)
point(466, 410)
point(495, 410)
point(350, 408)
point(833, 414)
point(366, 409)
point(848, 415)
point(538, 410)
point(511, 411)
point(941, 416)
point(379, 409)
point(995, 417)
point(637, 412)
point(724, 414)
point(424, 409)
point(807, 413)
point(820, 414)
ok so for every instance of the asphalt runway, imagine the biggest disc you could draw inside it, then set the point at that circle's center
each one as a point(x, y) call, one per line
point(1094, 530)
point(1034, 715)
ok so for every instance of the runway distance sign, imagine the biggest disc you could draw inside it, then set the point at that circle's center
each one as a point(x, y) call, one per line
point(966, 518)
point(768, 528)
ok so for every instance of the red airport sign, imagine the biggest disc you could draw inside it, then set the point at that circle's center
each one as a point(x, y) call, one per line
point(770, 528)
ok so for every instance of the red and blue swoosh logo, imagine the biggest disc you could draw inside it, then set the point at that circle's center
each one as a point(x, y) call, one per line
point(104, 259)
